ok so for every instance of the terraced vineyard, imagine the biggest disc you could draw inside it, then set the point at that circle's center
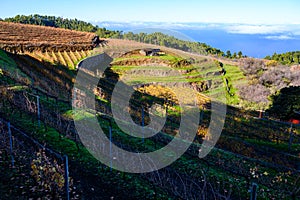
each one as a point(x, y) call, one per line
point(21, 38)
point(250, 150)
point(46, 44)
point(69, 59)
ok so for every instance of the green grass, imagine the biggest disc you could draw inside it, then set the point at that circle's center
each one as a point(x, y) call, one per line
point(127, 68)
point(280, 146)
point(214, 92)
point(167, 57)
point(173, 79)
point(220, 90)
point(194, 73)
point(64, 145)
point(125, 181)
point(18, 88)
point(8, 65)
point(235, 77)
point(193, 76)
point(235, 73)
point(5, 60)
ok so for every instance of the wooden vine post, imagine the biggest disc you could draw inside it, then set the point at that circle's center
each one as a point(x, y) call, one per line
point(10, 144)
point(66, 166)
point(253, 191)
point(38, 110)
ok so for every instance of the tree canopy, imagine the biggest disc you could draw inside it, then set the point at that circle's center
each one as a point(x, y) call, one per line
point(285, 102)
point(59, 22)
point(287, 58)
point(170, 41)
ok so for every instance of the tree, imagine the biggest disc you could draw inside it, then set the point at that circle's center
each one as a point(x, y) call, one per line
point(287, 58)
point(285, 102)
point(59, 22)
point(234, 55)
point(240, 54)
point(268, 58)
point(228, 54)
point(154, 38)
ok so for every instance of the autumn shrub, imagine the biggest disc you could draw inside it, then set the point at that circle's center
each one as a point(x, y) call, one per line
point(48, 174)
point(280, 77)
point(251, 66)
point(255, 93)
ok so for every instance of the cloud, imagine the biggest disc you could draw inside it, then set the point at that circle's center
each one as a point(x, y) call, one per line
point(110, 24)
point(166, 25)
point(282, 31)
point(255, 29)
point(280, 37)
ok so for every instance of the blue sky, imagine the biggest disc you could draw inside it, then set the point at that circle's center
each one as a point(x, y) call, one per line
point(211, 11)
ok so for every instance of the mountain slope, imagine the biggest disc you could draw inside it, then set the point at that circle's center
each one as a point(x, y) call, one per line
point(19, 38)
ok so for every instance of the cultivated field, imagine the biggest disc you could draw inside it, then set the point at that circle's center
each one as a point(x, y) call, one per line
point(37, 98)
point(20, 38)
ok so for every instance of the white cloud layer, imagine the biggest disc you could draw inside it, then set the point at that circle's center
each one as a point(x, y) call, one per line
point(280, 37)
point(275, 32)
point(256, 29)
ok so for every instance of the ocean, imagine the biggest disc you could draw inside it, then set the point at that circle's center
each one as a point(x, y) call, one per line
point(252, 45)
point(253, 40)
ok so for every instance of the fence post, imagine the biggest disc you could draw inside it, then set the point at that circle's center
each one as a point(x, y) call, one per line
point(10, 144)
point(254, 191)
point(201, 115)
point(38, 110)
point(291, 137)
point(74, 97)
point(110, 144)
point(143, 123)
point(67, 177)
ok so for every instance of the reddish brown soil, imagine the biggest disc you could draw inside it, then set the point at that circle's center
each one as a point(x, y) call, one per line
point(19, 38)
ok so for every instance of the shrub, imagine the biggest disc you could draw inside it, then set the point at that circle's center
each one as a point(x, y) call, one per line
point(280, 77)
point(251, 66)
point(254, 93)
point(285, 102)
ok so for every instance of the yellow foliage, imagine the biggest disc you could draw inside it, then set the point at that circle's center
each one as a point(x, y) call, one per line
point(271, 63)
point(202, 131)
point(160, 92)
point(49, 175)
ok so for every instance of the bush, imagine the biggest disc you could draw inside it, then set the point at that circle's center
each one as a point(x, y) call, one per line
point(285, 102)
point(254, 93)
point(251, 66)
point(280, 77)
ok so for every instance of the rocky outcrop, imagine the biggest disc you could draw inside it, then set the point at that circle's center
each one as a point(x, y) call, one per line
point(295, 68)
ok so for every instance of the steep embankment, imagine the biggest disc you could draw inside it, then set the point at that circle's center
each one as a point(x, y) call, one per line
point(43, 58)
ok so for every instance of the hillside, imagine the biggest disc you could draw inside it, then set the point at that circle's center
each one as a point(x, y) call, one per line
point(288, 58)
point(19, 38)
point(59, 22)
point(38, 99)
point(67, 47)
point(152, 38)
